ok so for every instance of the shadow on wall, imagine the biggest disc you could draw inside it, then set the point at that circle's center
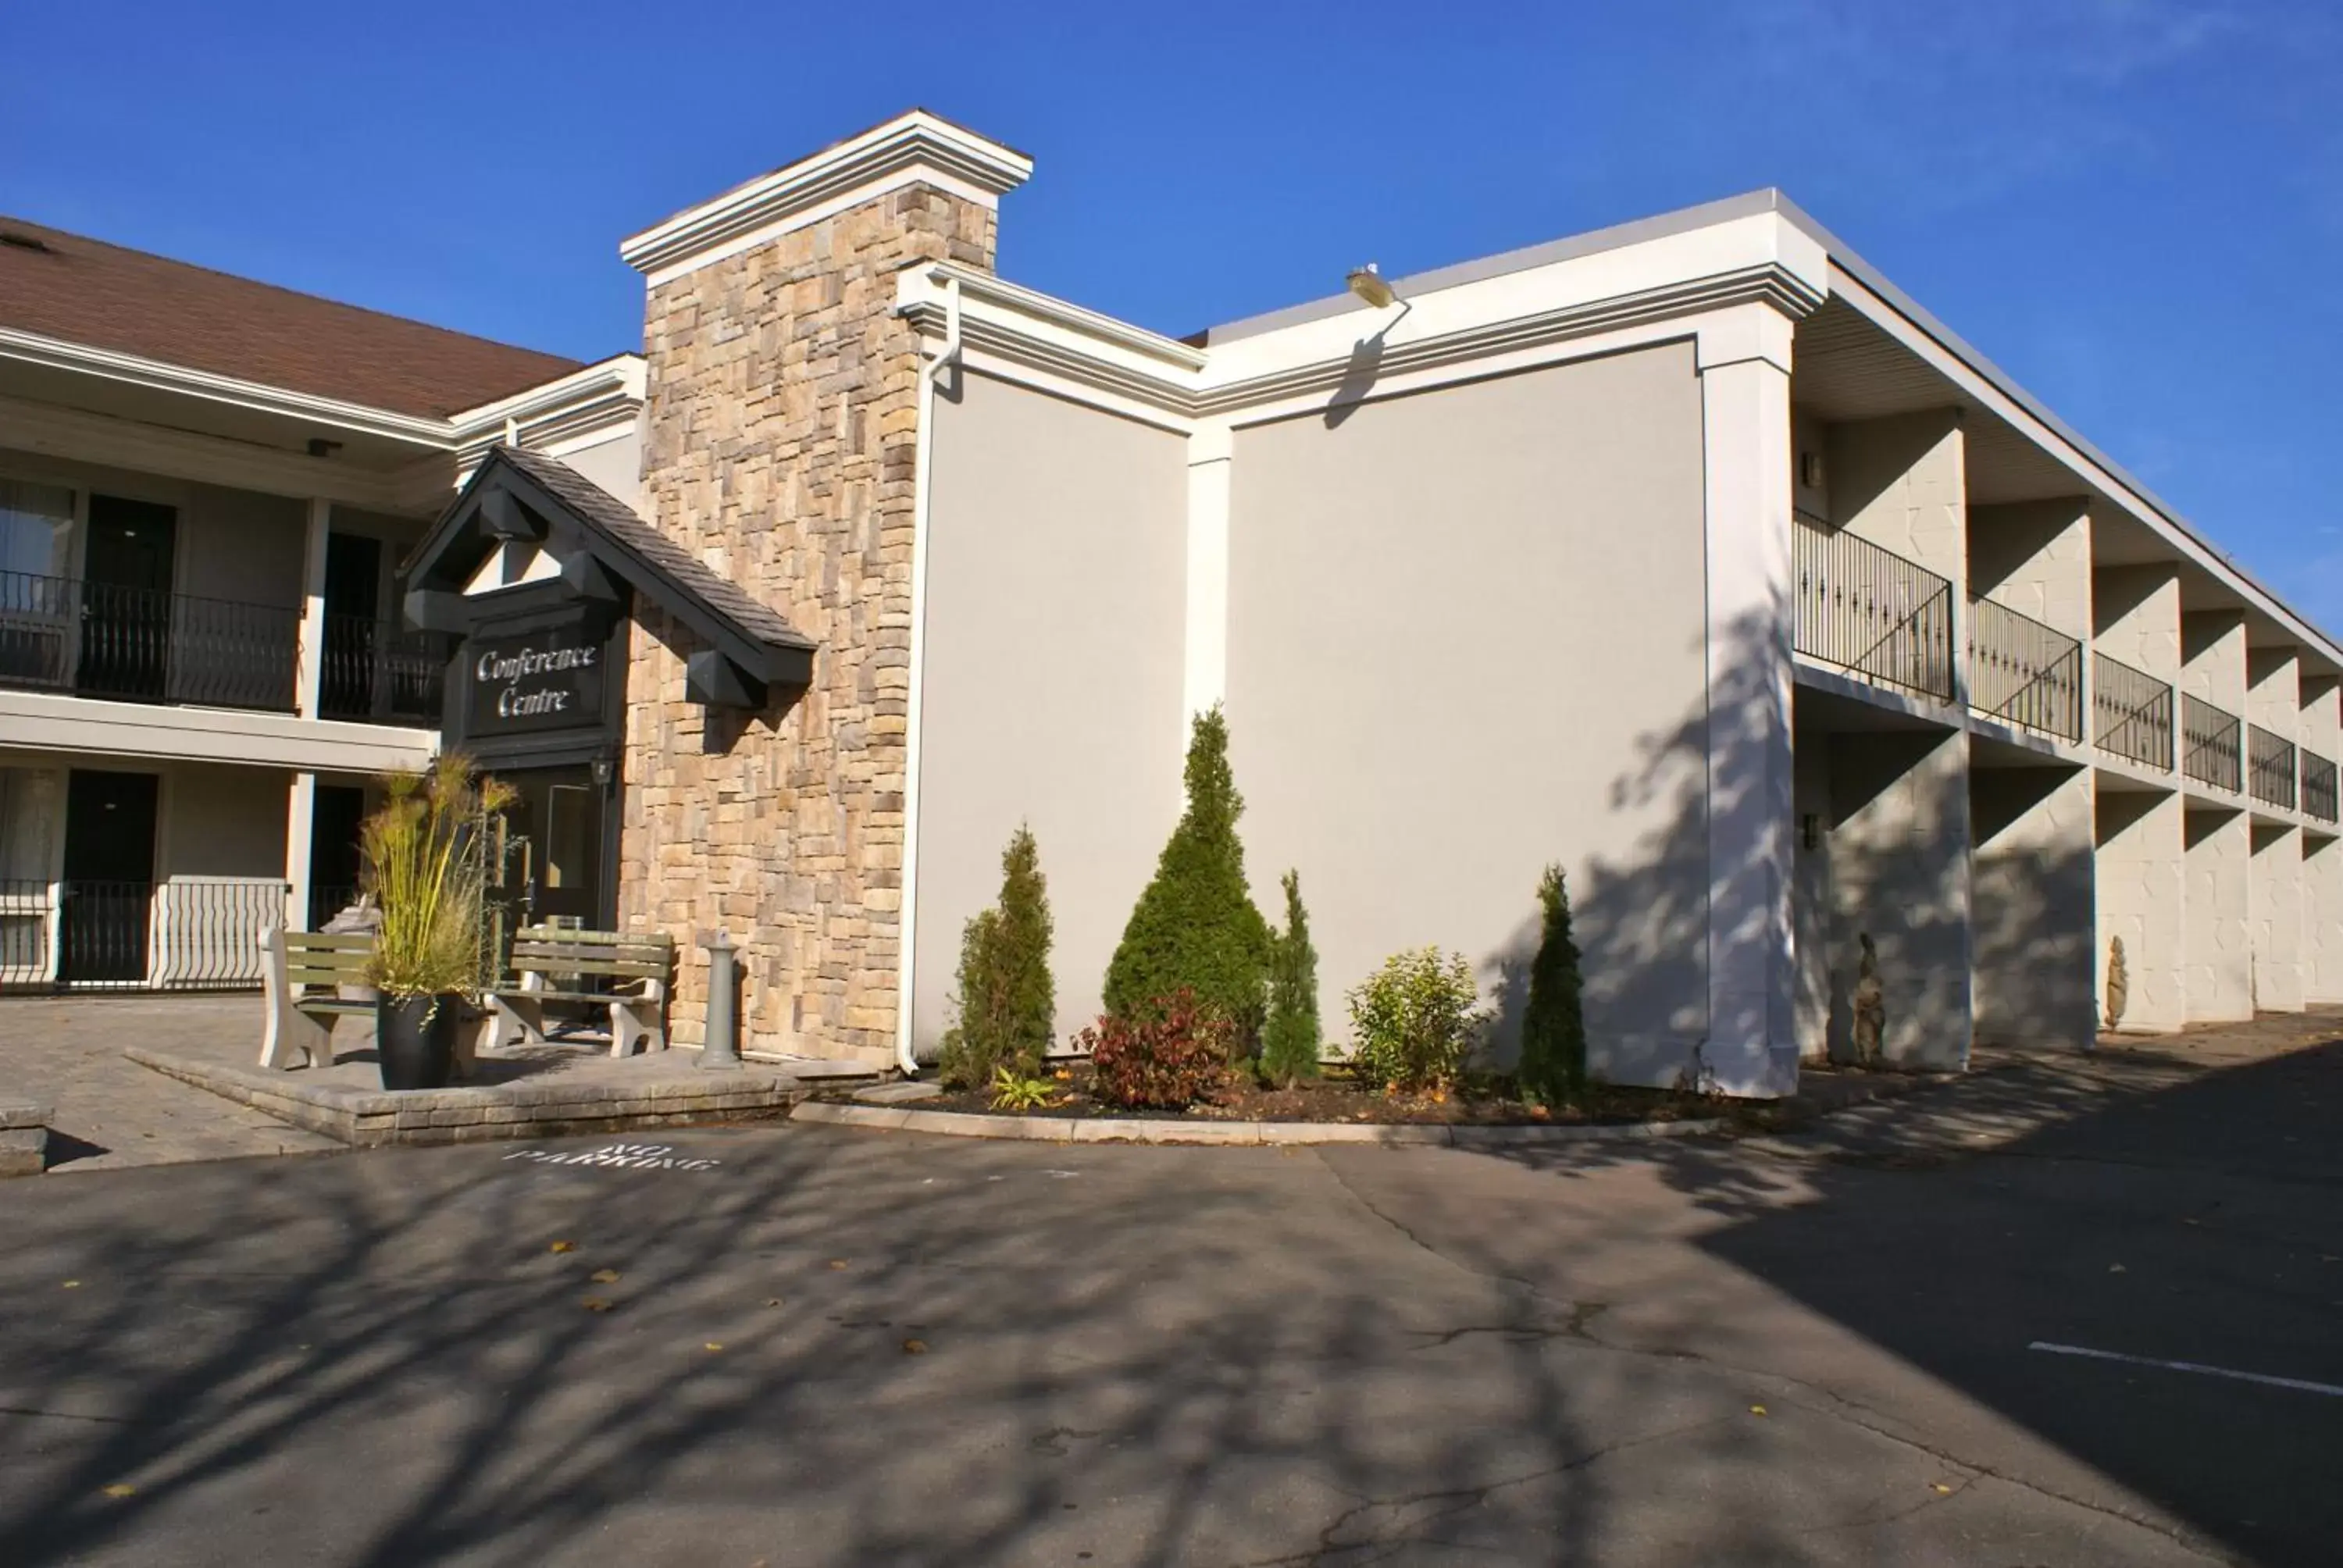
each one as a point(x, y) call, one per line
point(2033, 907)
point(1642, 921)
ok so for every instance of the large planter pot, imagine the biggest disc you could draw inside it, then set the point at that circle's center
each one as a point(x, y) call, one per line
point(415, 1036)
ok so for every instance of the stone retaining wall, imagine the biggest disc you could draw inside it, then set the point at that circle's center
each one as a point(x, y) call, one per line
point(548, 1108)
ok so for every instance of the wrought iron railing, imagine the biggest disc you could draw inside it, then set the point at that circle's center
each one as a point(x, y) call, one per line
point(1872, 613)
point(2270, 766)
point(377, 670)
point(2210, 749)
point(2318, 787)
point(142, 644)
point(2131, 713)
point(191, 933)
point(2024, 672)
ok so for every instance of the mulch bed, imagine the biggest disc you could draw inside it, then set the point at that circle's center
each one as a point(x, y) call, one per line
point(1336, 1097)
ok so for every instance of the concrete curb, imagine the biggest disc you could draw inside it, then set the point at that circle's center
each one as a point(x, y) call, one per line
point(1138, 1129)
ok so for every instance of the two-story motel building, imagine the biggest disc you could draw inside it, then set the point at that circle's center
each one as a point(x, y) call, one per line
point(1690, 553)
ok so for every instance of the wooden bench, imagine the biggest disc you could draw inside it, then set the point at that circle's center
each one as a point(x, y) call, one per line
point(301, 1021)
point(636, 963)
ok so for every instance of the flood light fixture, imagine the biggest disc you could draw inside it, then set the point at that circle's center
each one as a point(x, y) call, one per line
point(1370, 285)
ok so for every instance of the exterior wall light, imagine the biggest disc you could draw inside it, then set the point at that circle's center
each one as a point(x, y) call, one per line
point(1369, 284)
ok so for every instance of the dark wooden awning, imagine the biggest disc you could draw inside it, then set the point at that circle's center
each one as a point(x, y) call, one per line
point(601, 545)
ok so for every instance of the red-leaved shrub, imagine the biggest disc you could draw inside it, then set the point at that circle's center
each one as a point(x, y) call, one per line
point(1165, 1062)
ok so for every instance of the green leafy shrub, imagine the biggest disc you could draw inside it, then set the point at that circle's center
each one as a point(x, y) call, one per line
point(1171, 1054)
point(1006, 1000)
point(1012, 1092)
point(1290, 1040)
point(1195, 927)
point(423, 862)
point(1413, 1022)
point(1554, 1023)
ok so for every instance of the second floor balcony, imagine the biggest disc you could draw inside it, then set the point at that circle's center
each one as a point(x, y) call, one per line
point(2212, 747)
point(1870, 612)
point(2024, 672)
point(143, 645)
point(2131, 713)
point(2270, 767)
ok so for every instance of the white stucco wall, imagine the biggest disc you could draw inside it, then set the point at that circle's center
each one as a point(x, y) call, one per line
point(2322, 918)
point(2275, 918)
point(222, 821)
point(1902, 483)
point(2136, 610)
point(616, 464)
point(2141, 888)
point(2036, 971)
point(2220, 955)
point(1900, 872)
point(1466, 638)
point(2034, 558)
point(1051, 660)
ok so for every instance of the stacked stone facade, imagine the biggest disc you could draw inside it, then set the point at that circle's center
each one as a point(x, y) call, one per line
point(781, 446)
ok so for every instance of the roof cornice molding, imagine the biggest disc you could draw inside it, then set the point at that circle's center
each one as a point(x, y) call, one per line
point(1066, 342)
point(912, 148)
point(604, 397)
point(157, 375)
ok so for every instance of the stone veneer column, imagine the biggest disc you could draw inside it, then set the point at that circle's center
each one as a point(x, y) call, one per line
point(781, 440)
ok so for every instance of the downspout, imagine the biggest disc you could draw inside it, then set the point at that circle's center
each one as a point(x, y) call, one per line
point(922, 469)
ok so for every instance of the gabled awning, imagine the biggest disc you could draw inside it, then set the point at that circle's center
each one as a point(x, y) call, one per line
point(600, 544)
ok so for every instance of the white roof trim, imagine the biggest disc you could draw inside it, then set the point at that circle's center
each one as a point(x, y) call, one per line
point(913, 147)
point(595, 401)
point(161, 376)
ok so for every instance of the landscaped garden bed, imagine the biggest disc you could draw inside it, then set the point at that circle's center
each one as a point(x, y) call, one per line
point(1337, 1096)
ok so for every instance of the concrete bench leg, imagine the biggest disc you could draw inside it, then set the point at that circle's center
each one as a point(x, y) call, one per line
point(292, 1033)
point(633, 1017)
point(516, 1017)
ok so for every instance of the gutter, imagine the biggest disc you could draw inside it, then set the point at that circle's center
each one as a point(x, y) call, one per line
point(948, 358)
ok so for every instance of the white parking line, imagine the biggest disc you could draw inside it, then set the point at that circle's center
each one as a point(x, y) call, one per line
point(2303, 1384)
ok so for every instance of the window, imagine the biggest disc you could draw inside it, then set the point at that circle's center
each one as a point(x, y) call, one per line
point(35, 526)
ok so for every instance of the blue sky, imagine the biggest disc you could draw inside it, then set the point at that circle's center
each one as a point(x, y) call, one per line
point(2134, 206)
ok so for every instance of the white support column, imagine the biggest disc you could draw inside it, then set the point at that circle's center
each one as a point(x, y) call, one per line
point(313, 613)
point(300, 834)
point(1752, 1046)
point(1209, 453)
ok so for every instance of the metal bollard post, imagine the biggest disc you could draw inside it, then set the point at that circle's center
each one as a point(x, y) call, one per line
point(722, 1050)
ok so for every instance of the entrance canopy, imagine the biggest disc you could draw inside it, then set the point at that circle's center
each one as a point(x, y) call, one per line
point(600, 554)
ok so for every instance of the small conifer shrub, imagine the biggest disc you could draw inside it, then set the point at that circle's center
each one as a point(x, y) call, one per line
point(1554, 1023)
point(1195, 927)
point(1007, 1003)
point(1290, 1040)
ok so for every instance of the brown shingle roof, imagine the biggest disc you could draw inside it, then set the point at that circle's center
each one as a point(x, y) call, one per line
point(103, 296)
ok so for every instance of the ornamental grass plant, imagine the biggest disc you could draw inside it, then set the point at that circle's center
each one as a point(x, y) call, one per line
point(425, 865)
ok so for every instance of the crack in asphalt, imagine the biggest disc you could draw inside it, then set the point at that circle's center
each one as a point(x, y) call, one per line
point(1452, 1501)
point(1841, 1407)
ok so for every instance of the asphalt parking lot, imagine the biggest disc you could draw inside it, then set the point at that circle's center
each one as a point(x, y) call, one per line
point(833, 1346)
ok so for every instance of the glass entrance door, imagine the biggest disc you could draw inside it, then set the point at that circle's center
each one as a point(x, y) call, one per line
point(555, 868)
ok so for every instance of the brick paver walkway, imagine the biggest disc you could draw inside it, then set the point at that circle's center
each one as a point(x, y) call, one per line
point(112, 1112)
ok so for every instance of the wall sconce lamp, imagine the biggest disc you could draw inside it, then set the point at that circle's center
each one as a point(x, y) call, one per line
point(1370, 285)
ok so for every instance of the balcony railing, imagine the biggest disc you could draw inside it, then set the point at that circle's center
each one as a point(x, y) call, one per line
point(2317, 786)
point(2024, 672)
point(376, 670)
point(141, 645)
point(2210, 751)
point(2270, 766)
point(1872, 613)
point(2131, 713)
point(190, 933)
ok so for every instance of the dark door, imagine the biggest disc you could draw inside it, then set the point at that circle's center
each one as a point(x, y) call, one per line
point(333, 851)
point(109, 877)
point(555, 869)
point(126, 610)
point(351, 682)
